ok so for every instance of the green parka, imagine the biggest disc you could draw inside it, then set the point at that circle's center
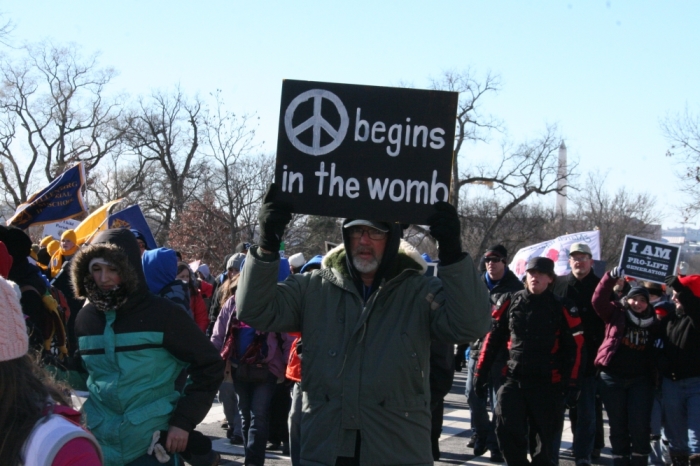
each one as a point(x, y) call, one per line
point(365, 366)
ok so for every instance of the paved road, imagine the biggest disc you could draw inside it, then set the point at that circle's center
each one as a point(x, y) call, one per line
point(456, 433)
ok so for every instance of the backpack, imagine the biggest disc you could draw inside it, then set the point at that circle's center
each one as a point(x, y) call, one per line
point(56, 306)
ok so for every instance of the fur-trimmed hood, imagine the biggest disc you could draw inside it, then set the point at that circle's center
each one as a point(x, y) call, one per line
point(407, 258)
point(118, 247)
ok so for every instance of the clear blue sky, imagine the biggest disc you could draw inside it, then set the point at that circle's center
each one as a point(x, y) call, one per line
point(605, 71)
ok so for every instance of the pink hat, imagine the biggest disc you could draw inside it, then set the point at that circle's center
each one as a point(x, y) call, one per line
point(14, 342)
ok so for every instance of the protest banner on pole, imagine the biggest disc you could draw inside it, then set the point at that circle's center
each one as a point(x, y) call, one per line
point(364, 151)
point(649, 260)
point(556, 249)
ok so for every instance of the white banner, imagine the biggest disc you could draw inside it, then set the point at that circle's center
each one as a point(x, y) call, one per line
point(57, 229)
point(556, 249)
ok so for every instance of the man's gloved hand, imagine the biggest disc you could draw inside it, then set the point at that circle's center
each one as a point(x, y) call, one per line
point(617, 273)
point(571, 397)
point(273, 218)
point(445, 228)
point(481, 387)
point(674, 283)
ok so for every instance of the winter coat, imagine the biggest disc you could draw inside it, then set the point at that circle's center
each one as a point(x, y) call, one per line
point(681, 337)
point(365, 364)
point(277, 356)
point(509, 283)
point(613, 314)
point(134, 353)
point(160, 269)
point(199, 311)
point(580, 293)
point(543, 336)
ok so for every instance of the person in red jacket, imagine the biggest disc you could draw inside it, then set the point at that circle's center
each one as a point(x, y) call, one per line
point(197, 305)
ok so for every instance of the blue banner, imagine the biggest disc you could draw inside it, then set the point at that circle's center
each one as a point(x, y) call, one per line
point(132, 218)
point(58, 201)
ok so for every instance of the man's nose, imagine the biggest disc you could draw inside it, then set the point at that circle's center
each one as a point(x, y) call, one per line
point(365, 237)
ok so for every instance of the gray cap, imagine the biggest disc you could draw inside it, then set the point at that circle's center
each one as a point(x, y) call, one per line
point(235, 261)
point(368, 223)
point(580, 247)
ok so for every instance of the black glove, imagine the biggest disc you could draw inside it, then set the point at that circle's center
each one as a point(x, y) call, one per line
point(617, 272)
point(481, 387)
point(445, 228)
point(273, 218)
point(674, 283)
point(571, 397)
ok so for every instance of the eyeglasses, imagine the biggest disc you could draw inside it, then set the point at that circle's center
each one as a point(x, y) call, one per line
point(579, 258)
point(492, 259)
point(373, 233)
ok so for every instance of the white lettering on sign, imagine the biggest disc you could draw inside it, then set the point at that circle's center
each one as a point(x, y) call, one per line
point(288, 183)
point(398, 190)
point(316, 122)
point(376, 133)
point(657, 251)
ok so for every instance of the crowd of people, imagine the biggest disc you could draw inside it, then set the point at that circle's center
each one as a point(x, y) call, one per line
point(341, 359)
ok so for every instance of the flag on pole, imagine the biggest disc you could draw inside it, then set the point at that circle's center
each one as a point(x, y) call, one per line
point(60, 200)
point(94, 222)
point(132, 217)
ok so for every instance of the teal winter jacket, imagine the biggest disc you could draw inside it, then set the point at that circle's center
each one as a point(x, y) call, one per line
point(134, 353)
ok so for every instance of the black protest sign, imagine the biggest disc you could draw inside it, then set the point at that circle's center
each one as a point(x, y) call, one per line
point(649, 260)
point(370, 152)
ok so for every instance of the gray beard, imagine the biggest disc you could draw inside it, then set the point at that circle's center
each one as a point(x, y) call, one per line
point(365, 266)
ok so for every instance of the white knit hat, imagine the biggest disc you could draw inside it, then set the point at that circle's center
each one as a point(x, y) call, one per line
point(14, 342)
point(297, 260)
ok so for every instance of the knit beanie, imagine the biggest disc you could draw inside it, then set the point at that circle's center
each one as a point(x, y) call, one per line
point(692, 282)
point(638, 291)
point(45, 241)
point(52, 247)
point(14, 342)
point(297, 260)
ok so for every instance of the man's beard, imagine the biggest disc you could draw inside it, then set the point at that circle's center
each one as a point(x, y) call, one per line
point(365, 265)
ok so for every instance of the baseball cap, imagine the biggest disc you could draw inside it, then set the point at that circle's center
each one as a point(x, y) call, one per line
point(580, 247)
point(368, 223)
point(541, 264)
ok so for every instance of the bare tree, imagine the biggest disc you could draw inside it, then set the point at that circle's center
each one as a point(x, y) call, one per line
point(615, 215)
point(164, 129)
point(53, 113)
point(683, 132)
point(239, 174)
point(527, 170)
point(472, 124)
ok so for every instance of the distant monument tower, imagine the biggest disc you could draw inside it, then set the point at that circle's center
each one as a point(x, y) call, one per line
point(561, 184)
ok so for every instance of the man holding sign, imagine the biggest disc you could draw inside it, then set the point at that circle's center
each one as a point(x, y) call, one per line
point(368, 319)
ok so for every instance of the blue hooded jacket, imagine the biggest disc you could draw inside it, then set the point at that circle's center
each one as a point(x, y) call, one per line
point(160, 268)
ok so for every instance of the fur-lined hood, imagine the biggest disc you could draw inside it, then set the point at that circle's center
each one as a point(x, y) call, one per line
point(408, 258)
point(118, 247)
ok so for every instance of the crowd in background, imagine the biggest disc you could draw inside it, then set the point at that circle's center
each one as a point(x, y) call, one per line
point(153, 342)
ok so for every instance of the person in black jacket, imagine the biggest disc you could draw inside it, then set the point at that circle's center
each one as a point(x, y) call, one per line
point(499, 279)
point(681, 371)
point(587, 416)
point(545, 353)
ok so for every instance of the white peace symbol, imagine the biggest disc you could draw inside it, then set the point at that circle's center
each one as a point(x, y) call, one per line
point(317, 122)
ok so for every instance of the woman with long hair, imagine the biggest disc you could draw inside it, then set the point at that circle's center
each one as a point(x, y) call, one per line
point(197, 305)
point(37, 424)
